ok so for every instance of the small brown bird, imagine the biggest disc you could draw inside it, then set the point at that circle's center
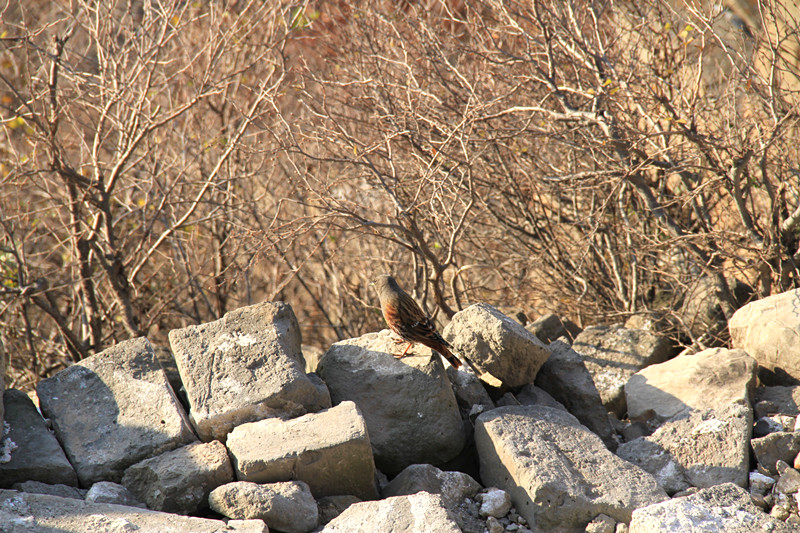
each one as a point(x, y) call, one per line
point(405, 317)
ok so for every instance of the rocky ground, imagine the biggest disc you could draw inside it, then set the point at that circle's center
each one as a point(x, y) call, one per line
point(235, 429)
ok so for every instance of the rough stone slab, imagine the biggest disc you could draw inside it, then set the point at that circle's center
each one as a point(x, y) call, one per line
point(37, 487)
point(778, 446)
point(35, 454)
point(559, 474)
point(710, 379)
point(721, 508)
point(496, 344)
point(417, 513)
point(22, 512)
point(565, 377)
point(702, 448)
point(453, 486)
point(613, 354)
point(179, 481)
point(768, 329)
point(246, 366)
point(329, 450)
point(287, 506)
point(112, 410)
point(408, 404)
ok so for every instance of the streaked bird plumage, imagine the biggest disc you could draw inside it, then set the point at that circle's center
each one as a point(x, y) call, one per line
point(407, 319)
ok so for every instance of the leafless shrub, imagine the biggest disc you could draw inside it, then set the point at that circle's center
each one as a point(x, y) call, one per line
point(164, 162)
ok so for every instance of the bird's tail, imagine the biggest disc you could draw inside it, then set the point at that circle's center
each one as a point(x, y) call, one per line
point(444, 349)
point(447, 353)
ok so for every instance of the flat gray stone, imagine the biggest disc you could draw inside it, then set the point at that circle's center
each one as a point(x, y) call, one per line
point(724, 508)
point(496, 344)
point(711, 379)
point(565, 377)
point(558, 473)
point(37, 487)
point(179, 481)
point(408, 404)
point(112, 410)
point(768, 329)
point(287, 506)
point(613, 354)
point(416, 513)
point(35, 454)
point(23, 512)
point(246, 366)
point(329, 450)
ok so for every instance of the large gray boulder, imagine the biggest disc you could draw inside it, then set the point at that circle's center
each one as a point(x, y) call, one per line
point(496, 344)
point(416, 513)
point(724, 508)
point(408, 404)
point(246, 366)
point(559, 474)
point(329, 450)
point(767, 329)
point(287, 506)
point(34, 453)
point(112, 410)
point(22, 512)
point(614, 353)
point(180, 480)
point(711, 379)
point(564, 376)
point(700, 448)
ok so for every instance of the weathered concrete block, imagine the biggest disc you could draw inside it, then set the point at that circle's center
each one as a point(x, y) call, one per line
point(112, 410)
point(408, 403)
point(559, 474)
point(496, 344)
point(329, 450)
point(246, 366)
point(35, 454)
point(42, 513)
point(287, 506)
point(179, 481)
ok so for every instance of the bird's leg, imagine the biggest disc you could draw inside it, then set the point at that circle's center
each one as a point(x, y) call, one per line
point(410, 344)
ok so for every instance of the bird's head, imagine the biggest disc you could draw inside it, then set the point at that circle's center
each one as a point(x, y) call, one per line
point(382, 282)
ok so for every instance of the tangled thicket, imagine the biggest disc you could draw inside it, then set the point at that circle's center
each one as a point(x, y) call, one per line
point(164, 162)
